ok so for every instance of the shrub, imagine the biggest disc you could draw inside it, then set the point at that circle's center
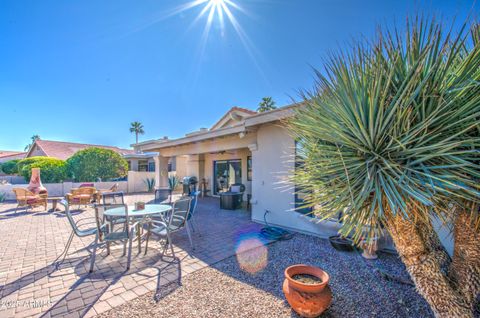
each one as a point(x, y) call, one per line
point(52, 170)
point(10, 167)
point(91, 164)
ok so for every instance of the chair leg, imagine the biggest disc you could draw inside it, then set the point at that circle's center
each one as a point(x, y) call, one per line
point(148, 238)
point(65, 251)
point(129, 258)
point(171, 245)
point(189, 236)
point(139, 240)
point(94, 252)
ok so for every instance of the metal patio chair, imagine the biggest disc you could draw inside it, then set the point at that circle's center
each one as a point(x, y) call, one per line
point(191, 221)
point(81, 228)
point(174, 221)
point(106, 235)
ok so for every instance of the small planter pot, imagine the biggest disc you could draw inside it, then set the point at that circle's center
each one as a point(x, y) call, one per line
point(308, 300)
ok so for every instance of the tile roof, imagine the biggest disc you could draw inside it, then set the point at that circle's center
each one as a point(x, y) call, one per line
point(246, 111)
point(64, 150)
point(7, 153)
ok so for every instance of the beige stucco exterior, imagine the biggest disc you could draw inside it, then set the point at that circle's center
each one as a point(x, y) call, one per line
point(272, 149)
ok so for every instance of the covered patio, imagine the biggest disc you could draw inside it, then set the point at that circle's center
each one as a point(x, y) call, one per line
point(31, 286)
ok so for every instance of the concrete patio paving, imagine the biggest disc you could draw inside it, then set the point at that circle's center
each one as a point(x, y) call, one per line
point(30, 286)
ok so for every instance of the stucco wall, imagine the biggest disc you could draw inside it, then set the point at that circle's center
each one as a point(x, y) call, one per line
point(272, 162)
point(136, 180)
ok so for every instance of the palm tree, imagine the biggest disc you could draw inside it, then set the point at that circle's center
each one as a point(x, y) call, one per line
point(391, 138)
point(137, 128)
point(266, 104)
point(33, 139)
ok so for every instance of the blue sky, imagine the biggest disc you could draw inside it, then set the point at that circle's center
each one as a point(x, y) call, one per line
point(81, 71)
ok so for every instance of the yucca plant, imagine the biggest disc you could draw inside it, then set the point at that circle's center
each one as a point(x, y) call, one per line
point(390, 137)
point(150, 183)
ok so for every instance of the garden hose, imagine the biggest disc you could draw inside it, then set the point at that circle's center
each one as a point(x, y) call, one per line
point(274, 233)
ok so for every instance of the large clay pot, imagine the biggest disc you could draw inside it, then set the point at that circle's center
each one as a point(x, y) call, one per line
point(308, 300)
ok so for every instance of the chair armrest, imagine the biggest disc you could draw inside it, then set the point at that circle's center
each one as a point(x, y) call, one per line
point(86, 221)
point(161, 223)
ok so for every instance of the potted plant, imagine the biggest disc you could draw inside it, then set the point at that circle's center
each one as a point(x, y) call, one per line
point(306, 290)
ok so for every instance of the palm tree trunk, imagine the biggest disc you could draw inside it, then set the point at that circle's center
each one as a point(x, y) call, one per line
point(465, 268)
point(433, 244)
point(424, 266)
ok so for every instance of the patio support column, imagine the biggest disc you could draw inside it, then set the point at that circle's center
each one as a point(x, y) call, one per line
point(161, 172)
point(195, 166)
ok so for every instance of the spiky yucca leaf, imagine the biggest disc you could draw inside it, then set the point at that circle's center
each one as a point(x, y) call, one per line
point(392, 125)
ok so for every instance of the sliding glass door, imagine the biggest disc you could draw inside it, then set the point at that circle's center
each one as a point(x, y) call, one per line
point(226, 173)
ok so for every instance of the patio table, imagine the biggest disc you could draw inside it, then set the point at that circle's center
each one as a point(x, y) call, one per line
point(142, 216)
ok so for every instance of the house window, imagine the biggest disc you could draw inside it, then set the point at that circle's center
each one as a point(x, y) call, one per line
point(299, 193)
point(151, 166)
point(142, 165)
point(129, 165)
point(249, 168)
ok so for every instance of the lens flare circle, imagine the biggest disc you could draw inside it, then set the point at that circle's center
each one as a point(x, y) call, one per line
point(252, 255)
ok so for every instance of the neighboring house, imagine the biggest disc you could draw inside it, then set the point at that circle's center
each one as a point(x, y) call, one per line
point(11, 155)
point(64, 150)
point(143, 162)
point(243, 147)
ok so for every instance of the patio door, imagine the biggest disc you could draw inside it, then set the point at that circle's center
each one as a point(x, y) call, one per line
point(226, 173)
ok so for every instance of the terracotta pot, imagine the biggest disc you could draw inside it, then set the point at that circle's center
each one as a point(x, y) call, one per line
point(308, 300)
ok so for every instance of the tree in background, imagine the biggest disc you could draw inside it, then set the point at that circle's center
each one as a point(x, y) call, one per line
point(10, 167)
point(391, 138)
point(266, 104)
point(52, 170)
point(93, 164)
point(33, 138)
point(137, 128)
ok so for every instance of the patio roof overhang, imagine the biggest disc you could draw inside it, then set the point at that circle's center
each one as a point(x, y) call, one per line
point(228, 138)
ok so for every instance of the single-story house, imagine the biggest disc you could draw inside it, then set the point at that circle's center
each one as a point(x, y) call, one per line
point(64, 150)
point(245, 147)
point(6, 155)
point(137, 161)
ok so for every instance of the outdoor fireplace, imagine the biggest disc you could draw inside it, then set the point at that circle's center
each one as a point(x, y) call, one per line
point(36, 185)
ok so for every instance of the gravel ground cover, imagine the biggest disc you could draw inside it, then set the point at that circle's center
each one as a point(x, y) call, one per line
point(247, 285)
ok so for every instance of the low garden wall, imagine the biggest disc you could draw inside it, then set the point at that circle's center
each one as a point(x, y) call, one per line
point(60, 189)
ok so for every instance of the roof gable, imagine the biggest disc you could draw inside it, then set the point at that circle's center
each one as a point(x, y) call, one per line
point(234, 116)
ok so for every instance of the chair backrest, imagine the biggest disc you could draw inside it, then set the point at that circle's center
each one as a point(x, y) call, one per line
point(113, 198)
point(239, 187)
point(84, 190)
point(100, 217)
point(193, 204)
point(180, 212)
point(72, 222)
point(21, 193)
point(114, 188)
